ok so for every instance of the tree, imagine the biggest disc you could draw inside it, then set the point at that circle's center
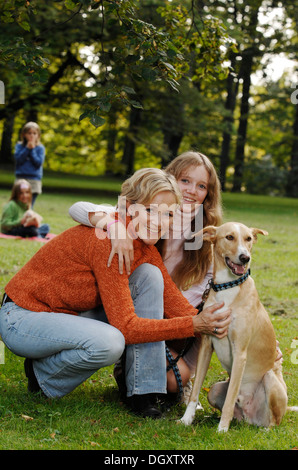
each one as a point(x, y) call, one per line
point(292, 184)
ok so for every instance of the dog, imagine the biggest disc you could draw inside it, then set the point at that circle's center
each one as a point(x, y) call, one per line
point(255, 391)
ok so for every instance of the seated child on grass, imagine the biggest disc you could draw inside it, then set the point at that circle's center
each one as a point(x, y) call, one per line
point(18, 218)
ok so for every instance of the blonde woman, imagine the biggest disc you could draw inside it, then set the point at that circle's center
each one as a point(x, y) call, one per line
point(69, 275)
point(29, 158)
point(190, 268)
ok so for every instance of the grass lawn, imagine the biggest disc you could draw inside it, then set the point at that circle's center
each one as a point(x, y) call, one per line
point(92, 418)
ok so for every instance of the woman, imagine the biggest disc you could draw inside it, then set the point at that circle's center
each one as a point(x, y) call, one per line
point(189, 267)
point(40, 317)
point(18, 218)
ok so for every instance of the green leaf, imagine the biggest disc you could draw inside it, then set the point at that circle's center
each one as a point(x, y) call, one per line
point(135, 104)
point(128, 90)
point(96, 120)
point(104, 105)
point(25, 25)
point(84, 115)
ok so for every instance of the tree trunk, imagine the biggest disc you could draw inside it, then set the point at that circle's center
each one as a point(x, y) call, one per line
point(42, 96)
point(242, 129)
point(6, 153)
point(172, 141)
point(232, 89)
point(111, 134)
point(292, 185)
point(130, 141)
point(245, 73)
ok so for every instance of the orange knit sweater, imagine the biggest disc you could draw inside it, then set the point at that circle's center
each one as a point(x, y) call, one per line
point(69, 274)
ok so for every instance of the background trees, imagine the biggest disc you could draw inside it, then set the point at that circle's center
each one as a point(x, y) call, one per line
point(120, 85)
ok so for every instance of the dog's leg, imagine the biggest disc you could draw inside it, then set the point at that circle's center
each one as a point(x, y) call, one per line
point(276, 394)
point(204, 357)
point(233, 390)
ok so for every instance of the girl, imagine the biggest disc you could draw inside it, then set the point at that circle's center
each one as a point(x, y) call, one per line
point(29, 157)
point(17, 216)
point(69, 275)
point(189, 268)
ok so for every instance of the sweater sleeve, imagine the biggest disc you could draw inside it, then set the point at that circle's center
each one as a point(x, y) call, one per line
point(118, 304)
point(37, 156)
point(21, 154)
point(80, 211)
point(11, 217)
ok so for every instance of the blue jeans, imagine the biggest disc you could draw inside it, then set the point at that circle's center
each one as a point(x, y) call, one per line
point(145, 366)
point(30, 231)
point(68, 349)
point(146, 362)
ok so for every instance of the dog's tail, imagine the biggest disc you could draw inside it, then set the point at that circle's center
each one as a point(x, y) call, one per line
point(292, 408)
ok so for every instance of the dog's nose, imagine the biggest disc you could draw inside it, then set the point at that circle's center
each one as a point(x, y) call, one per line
point(244, 258)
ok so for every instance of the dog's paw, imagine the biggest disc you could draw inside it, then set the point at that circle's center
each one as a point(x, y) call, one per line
point(222, 428)
point(189, 414)
point(185, 421)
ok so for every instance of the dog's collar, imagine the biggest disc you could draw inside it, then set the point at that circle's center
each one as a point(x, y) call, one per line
point(219, 287)
point(228, 285)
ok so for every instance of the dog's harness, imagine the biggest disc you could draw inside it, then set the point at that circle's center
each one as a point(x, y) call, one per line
point(189, 341)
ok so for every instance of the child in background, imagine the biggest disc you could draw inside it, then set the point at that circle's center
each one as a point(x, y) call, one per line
point(18, 218)
point(29, 157)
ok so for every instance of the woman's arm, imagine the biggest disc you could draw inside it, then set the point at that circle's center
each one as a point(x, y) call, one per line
point(90, 214)
point(102, 217)
point(176, 305)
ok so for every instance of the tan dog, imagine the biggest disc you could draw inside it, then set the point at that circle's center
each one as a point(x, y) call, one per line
point(256, 391)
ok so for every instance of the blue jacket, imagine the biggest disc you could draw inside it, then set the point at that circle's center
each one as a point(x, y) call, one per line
point(29, 162)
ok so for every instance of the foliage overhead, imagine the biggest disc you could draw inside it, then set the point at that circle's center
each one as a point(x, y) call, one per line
point(139, 51)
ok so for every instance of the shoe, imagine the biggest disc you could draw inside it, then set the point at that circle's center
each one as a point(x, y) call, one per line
point(144, 405)
point(33, 385)
point(119, 376)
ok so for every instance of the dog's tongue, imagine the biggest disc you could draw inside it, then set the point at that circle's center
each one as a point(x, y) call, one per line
point(238, 269)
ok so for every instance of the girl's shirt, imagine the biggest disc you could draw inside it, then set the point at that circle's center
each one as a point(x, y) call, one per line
point(29, 162)
point(12, 215)
point(69, 274)
point(173, 252)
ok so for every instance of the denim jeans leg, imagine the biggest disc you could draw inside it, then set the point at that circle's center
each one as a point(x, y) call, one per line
point(65, 349)
point(146, 362)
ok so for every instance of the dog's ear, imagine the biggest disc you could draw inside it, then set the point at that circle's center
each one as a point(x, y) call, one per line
point(208, 233)
point(255, 232)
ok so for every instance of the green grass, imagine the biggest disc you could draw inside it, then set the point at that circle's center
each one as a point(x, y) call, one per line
point(92, 417)
point(67, 182)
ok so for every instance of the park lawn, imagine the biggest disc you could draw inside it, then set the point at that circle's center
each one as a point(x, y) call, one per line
point(92, 417)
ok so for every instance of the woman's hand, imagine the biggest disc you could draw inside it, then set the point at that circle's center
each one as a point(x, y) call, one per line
point(211, 322)
point(122, 245)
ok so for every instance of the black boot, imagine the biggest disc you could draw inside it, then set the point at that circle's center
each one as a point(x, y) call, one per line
point(144, 405)
point(33, 385)
point(119, 375)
